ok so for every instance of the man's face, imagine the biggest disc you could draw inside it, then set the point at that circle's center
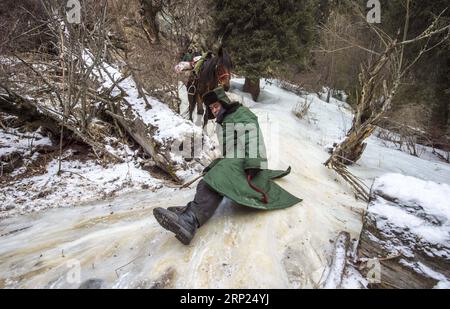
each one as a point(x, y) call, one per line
point(215, 108)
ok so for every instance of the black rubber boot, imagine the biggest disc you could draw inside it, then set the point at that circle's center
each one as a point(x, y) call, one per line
point(184, 221)
point(178, 209)
point(183, 225)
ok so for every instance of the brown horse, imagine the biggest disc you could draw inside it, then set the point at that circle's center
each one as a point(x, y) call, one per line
point(215, 71)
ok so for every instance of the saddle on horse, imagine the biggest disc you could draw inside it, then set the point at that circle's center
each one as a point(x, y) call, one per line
point(192, 82)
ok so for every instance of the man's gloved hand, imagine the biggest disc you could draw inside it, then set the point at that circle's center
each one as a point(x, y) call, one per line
point(253, 172)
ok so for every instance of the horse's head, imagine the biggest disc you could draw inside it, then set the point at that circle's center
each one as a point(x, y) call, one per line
point(223, 69)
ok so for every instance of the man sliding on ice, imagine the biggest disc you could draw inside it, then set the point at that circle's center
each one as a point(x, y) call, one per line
point(240, 175)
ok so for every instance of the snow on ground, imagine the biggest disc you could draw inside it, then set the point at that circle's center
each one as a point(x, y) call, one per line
point(352, 279)
point(338, 265)
point(82, 182)
point(120, 243)
point(413, 217)
point(12, 141)
point(443, 282)
point(88, 181)
point(422, 210)
point(79, 182)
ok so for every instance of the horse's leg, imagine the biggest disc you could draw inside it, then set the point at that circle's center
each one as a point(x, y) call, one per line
point(191, 99)
point(199, 104)
point(200, 110)
point(205, 115)
point(205, 120)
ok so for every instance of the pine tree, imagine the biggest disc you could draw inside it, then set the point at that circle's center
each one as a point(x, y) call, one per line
point(263, 34)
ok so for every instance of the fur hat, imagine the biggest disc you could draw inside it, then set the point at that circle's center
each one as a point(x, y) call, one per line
point(217, 95)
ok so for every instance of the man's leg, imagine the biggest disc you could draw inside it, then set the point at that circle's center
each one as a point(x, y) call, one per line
point(205, 203)
point(184, 222)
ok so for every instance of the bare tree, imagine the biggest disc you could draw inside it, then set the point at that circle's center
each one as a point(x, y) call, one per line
point(379, 78)
point(67, 88)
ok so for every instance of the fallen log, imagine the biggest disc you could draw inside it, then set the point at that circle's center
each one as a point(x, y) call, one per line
point(141, 134)
point(394, 271)
point(12, 103)
point(337, 267)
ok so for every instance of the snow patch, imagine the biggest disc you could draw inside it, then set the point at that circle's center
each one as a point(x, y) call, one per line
point(78, 183)
point(443, 282)
point(422, 208)
point(14, 141)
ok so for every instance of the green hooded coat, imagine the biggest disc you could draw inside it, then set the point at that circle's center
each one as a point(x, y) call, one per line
point(243, 148)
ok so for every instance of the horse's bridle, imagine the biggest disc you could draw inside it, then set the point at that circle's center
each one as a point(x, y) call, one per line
point(222, 77)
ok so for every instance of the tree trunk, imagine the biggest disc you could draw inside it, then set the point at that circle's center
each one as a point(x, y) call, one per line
point(329, 95)
point(15, 105)
point(142, 135)
point(252, 86)
point(149, 13)
point(392, 273)
point(339, 262)
point(351, 150)
point(29, 111)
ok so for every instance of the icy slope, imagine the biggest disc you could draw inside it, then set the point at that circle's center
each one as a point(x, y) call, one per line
point(120, 243)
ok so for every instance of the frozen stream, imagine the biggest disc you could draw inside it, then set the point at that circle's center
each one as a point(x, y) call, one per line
point(120, 244)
